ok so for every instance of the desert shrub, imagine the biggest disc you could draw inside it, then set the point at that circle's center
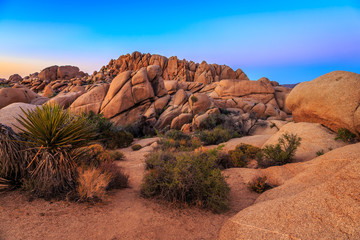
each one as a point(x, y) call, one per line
point(118, 179)
point(242, 154)
point(52, 134)
point(109, 135)
point(216, 136)
point(136, 147)
point(280, 153)
point(177, 135)
point(259, 185)
point(92, 184)
point(116, 155)
point(346, 136)
point(320, 152)
point(189, 177)
point(92, 156)
point(237, 159)
point(177, 140)
point(141, 128)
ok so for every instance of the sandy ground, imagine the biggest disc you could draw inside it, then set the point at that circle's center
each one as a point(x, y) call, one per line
point(123, 215)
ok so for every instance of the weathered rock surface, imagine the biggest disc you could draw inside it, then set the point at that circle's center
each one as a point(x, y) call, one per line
point(332, 100)
point(90, 101)
point(314, 138)
point(9, 114)
point(318, 199)
point(64, 99)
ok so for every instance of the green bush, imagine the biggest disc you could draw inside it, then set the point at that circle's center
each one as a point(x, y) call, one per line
point(280, 153)
point(177, 135)
point(259, 185)
point(216, 136)
point(190, 177)
point(242, 154)
point(108, 134)
point(177, 140)
point(346, 136)
point(136, 147)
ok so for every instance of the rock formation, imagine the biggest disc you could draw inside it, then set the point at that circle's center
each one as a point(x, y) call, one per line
point(332, 100)
point(161, 91)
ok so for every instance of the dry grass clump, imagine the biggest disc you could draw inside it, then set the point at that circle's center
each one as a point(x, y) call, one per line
point(92, 184)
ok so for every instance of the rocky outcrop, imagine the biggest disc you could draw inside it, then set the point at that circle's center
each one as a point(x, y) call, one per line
point(317, 199)
point(332, 100)
point(15, 78)
point(173, 68)
point(161, 91)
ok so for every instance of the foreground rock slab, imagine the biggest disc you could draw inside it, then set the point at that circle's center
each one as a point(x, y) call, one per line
point(321, 201)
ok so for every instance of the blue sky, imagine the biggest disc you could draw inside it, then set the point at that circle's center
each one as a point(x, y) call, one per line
point(286, 41)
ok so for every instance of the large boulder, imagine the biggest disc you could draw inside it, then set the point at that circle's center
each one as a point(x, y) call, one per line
point(332, 100)
point(13, 95)
point(318, 199)
point(49, 73)
point(123, 100)
point(90, 101)
point(67, 72)
point(64, 99)
point(9, 114)
point(314, 138)
point(199, 103)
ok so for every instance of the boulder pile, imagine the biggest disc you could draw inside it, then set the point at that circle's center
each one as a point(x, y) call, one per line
point(160, 91)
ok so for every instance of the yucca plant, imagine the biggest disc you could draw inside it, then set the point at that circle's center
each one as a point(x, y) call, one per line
point(52, 127)
point(52, 133)
point(4, 184)
point(13, 158)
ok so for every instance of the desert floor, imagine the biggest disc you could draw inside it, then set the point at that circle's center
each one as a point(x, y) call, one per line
point(123, 215)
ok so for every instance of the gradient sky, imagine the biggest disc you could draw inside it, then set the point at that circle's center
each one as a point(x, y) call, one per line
point(286, 41)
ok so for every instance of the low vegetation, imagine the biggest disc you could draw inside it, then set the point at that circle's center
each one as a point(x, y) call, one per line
point(259, 185)
point(136, 147)
point(280, 153)
point(189, 178)
point(320, 152)
point(242, 154)
point(346, 136)
point(109, 135)
point(216, 135)
point(51, 157)
point(175, 140)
